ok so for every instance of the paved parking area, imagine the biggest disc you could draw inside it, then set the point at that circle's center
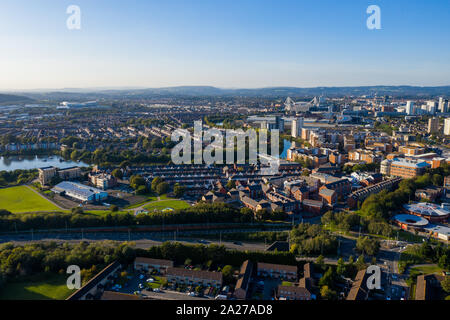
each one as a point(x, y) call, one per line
point(170, 295)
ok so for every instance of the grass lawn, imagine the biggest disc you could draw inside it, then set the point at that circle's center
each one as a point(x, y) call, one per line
point(165, 197)
point(41, 287)
point(173, 204)
point(287, 284)
point(427, 269)
point(21, 199)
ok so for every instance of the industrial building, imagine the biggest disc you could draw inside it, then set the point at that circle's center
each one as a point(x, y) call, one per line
point(80, 192)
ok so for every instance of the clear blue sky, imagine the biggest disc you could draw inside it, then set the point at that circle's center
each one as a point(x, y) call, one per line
point(224, 43)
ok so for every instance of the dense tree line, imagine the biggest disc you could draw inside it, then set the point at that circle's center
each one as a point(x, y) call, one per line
point(353, 221)
point(425, 252)
point(385, 204)
point(269, 236)
point(310, 239)
point(368, 246)
point(115, 157)
point(16, 177)
point(50, 257)
point(362, 167)
point(201, 254)
point(201, 213)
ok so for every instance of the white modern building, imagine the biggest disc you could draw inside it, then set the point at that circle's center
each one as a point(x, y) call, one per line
point(443, 105)
point(409, 108)
point(297, 125)
point(447, 127)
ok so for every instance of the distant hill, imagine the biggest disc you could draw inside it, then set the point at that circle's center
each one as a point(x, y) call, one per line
point(6, 99)
point(208, 91)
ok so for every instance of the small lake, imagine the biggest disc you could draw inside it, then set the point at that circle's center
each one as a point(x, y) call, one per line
point(33, 162)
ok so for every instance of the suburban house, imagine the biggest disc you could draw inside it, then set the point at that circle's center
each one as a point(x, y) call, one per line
point(278, 271)
point(194, 277)
point(149, 264)
point(293, 293)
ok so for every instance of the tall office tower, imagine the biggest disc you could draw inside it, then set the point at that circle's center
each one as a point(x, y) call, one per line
point(447, 127)
point(409, 107)
point(433, 125)
point(441, 104)
point(279, 123)
point(297, 125)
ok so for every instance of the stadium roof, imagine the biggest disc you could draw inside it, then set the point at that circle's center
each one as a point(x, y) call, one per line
point(427, 209)
point(411, 220)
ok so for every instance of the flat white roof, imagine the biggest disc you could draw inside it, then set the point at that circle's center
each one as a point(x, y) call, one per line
point(438, 229)
point(427, 209)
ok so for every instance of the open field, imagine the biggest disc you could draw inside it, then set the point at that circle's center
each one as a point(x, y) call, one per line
point(22, 199)
point(41, 287)
point(173, 204)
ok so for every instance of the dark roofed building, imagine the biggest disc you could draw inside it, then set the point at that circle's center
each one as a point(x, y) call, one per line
point(94, 288)
point(194, 277)
point(141, 263)
point(429, 287)
point(313, 206)
point(277, 271)
point(240, 291)
point(359, 290)
point(293, 293)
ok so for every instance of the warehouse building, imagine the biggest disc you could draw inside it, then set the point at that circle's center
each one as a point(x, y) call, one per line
point(80, 192)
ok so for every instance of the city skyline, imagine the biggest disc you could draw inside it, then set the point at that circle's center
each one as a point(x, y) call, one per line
point(249, 44)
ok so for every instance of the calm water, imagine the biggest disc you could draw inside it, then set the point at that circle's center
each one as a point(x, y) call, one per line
point(33, 162)
point(287, 145)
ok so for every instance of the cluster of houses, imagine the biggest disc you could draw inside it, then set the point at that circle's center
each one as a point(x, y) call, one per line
point(294, 193)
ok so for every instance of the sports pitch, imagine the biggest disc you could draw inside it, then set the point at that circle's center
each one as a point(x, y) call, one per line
point(22, 199)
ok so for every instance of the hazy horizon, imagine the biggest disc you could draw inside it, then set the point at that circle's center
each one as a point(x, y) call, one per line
point(118, 88)
point(225, 44)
